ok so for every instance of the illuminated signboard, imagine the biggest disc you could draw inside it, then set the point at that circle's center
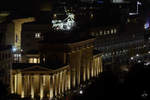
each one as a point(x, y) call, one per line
point(66, 24)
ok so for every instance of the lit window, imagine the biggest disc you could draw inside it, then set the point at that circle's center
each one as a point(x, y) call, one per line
point(115, 30)
point(44, 59)
point(30, 60)
point(17, 57)
point(37, 35)
point(34, 60)
point(112, 31)
point(128, 20)
point(108, 32)
point(101, 33)
point(91, 16)
point(54, 15)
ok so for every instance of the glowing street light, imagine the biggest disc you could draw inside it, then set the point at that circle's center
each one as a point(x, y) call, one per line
point(146, 26)
point(131, 58)
point(14, 49)
point(81, 92)
point(144, 95)
point(139, 61)
point(137, 55)
point(137, 9)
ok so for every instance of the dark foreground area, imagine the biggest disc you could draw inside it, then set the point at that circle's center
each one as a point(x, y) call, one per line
point(134, 86)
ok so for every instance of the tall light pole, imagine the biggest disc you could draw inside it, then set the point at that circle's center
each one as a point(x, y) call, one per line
point(137, 6)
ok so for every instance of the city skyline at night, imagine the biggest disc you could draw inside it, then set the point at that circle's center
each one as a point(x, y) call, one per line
point(74, 49)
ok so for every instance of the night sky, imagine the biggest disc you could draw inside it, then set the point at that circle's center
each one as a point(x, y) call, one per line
point(27, 5)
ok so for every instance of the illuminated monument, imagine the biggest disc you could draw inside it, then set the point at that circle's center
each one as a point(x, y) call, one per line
point(62, 67)
point(65, 62)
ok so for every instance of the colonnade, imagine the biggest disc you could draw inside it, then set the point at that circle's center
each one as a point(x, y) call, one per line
point(43, 85)
point(49, 84)
point(84, 66)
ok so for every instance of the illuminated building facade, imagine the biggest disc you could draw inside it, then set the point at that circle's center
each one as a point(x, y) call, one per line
point(13, 32)
point(147, 35)
point(76, 64)
point(32, 33)
point(120, 41)
point(12, 35)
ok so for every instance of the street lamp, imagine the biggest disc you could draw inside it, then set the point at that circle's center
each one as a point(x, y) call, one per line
point(144, 95)
point(131, 58)
point(137, 55)
point(14, 49)
point(81, 92)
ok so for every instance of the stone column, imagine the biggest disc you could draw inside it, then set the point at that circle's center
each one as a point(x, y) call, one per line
point(79, 67)
point(69, 79)
point(62, 81)
point(84, 72)
point(32, 86)
point(16, 83)
point(88, 71)
point(41, 87)
point(94, 67)
point(55, 84)
point(51, 86)
point(22, 91)
point(101, 65)
point(59, 82)
point(12, 83)
point(65, 80)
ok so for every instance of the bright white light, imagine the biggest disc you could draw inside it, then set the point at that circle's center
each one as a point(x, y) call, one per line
point(131, 58)
point(144, 95)
point(132, 14)
point(137, 55)
point(137, 9)
point(146, 64)
point(139, 3)
point(139, 61)
point(146, 26)
point(149, 52)
point(14, 49)
point(81, 91)
point(65, 24)
point(21, 50)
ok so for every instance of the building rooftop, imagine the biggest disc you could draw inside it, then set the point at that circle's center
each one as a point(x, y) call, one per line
point(52, 66)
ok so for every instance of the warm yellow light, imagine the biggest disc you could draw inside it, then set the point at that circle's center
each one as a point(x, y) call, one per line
point(22, 94)
point(32, 91)
point(92, 15)
point(54, 15)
